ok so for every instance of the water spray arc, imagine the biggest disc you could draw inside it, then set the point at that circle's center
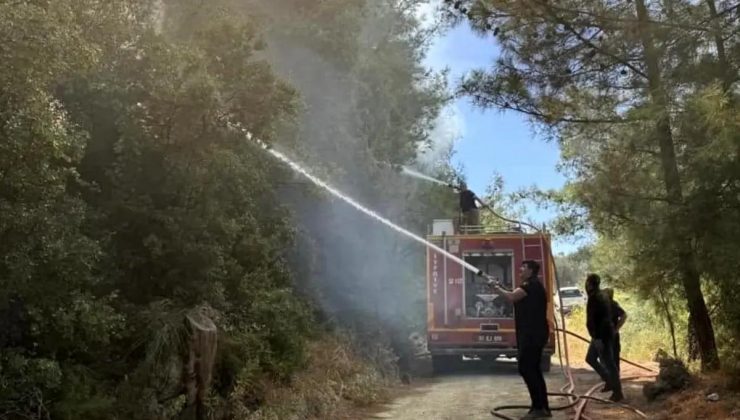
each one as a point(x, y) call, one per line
point(576, 401)
point(408, 171)
point(320, 183)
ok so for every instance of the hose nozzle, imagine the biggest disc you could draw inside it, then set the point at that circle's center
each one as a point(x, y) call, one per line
point(490, 279)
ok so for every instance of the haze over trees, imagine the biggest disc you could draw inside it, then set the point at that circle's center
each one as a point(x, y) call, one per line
point(127, 205)
point(126, 202)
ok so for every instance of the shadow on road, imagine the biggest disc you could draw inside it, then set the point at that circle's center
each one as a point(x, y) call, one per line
point(474, 367)
point(507, 367)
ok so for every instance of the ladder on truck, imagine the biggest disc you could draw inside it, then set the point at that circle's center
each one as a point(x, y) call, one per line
point(534, 249)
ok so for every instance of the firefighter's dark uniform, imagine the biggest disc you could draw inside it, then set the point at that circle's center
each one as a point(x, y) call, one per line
point(469, 209)
point(531, 333)
point(617, 314)
point(601, 329)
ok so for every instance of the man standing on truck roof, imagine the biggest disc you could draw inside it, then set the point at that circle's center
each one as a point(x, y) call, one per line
point(532, 331)
point(468, 207)
point(619, 317)
point(600, 353)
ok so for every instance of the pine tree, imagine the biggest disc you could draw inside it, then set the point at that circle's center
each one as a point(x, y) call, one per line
point(610, 81)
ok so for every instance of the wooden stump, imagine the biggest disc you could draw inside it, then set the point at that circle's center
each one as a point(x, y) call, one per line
point(201, 357)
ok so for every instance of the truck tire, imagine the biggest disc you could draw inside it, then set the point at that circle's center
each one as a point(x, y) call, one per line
point(444, 363)
point(546, 362)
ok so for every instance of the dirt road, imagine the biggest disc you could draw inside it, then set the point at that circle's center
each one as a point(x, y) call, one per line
point(472, 394)
point(465, 395)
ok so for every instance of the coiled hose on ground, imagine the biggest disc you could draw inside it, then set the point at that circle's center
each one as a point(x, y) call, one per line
point(577, 401)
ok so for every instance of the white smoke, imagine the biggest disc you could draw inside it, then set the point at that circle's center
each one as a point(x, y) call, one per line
point(427, 13)
point(449, 127)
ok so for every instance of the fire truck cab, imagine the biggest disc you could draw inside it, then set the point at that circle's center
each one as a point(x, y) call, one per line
point(464, 316)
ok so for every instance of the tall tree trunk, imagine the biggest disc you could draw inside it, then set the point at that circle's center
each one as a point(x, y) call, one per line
point(669, 318)
point(690, 276)
point(728, 75)
point(692, 342)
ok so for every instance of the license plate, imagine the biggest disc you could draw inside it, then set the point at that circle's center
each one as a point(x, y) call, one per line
point(490, 338)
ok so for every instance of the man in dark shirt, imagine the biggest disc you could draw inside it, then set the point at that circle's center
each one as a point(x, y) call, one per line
point(601, 329)
point(468, 207)
point(619, 317)
point(532, 330)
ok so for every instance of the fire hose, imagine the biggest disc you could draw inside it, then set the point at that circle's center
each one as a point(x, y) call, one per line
point(577, 401)
point(567, 390)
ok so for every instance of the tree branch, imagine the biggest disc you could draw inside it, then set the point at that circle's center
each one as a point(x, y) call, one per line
point(548, 118)
point(623, 20)
point(548, 8)
point(642, 197)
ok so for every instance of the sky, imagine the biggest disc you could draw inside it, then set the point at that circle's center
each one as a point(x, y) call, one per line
point(489, 141)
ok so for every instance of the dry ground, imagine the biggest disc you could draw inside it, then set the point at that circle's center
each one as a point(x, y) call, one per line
point(471, 392)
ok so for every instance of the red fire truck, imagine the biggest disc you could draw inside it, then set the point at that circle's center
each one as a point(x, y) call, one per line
point(464, 316)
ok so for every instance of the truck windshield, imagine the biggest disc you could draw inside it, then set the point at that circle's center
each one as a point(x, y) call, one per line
point(480, 300)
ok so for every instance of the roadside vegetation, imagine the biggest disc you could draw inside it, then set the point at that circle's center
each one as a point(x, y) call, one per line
point(641, 337)
point(641, 96)
point(155, 264)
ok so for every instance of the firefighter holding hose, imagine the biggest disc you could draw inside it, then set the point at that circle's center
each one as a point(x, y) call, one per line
point(468, 206)
point(532, 330)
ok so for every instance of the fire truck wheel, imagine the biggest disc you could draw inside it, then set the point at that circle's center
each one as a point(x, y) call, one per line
point(546, 363)
point(444, 363)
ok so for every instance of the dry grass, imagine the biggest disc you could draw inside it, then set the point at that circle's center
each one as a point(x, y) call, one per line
point(336, 380)
point(639, 343)
point(642, 335)
point(692, 403)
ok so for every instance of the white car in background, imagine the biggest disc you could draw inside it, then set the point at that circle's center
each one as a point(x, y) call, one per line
point(571, 296)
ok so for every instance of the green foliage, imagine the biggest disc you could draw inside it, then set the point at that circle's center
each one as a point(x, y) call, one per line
point(641, 97)
point(27, 382)
point(643, 334)
point(125, 201)
point(368, 103)
point(84, 396)
point(336, 379)
point(573, 268)
point(503, 204)
point(122, 191)
point(640, 338)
